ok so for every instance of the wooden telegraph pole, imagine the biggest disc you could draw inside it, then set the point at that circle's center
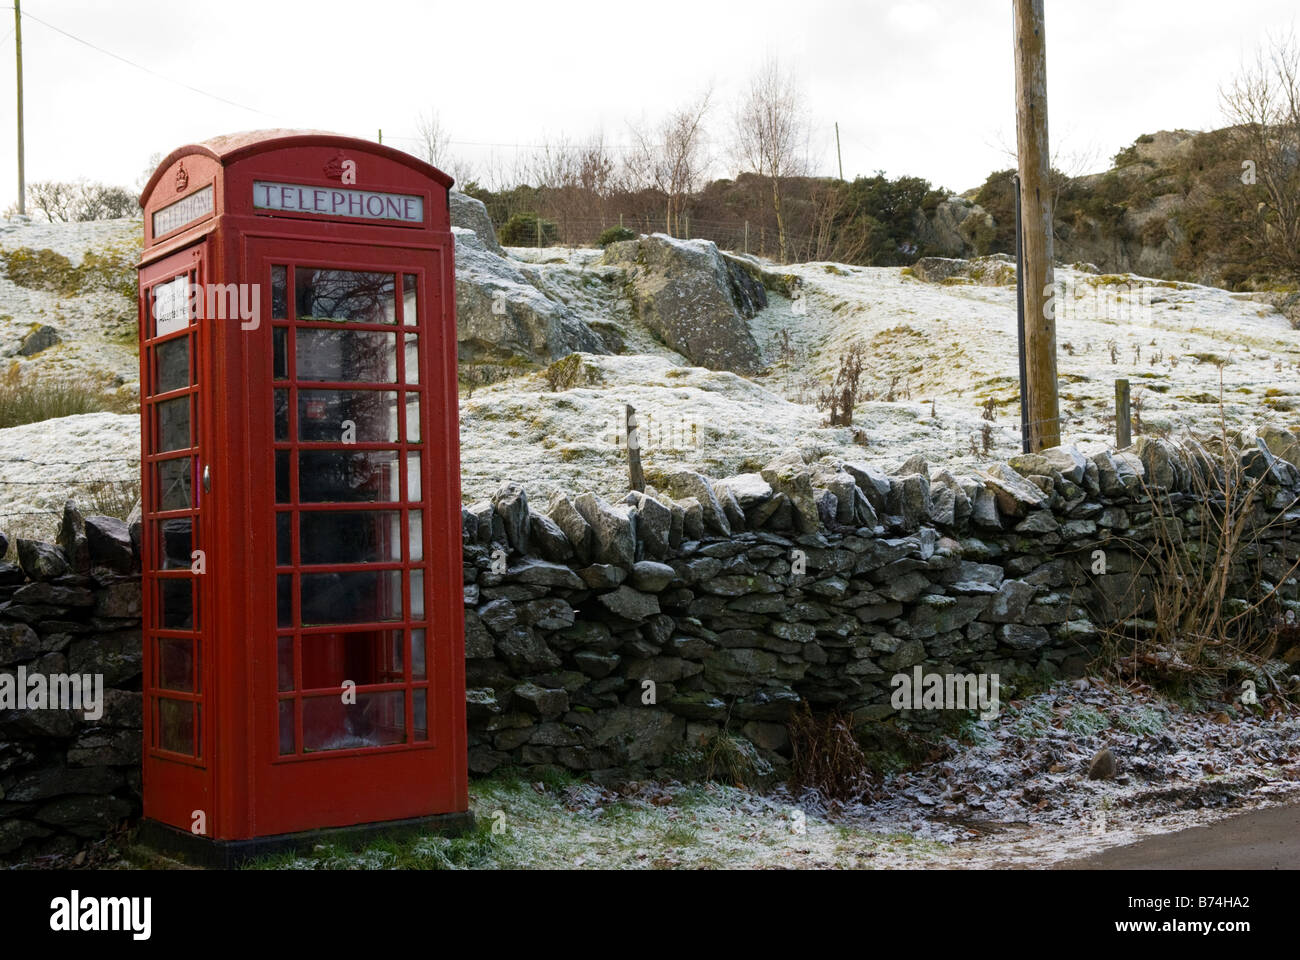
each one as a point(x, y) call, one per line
point(1036, 224)
point(18, 56)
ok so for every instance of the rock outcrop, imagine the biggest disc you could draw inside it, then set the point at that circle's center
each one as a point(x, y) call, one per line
point(698, 301)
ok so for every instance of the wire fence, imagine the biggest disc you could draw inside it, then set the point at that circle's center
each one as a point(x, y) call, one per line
point(103, 484)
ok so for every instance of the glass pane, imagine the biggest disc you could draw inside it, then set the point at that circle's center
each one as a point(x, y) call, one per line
point(349, 536)
point(369, 657)
point(417, 655)
point(175, 543)
point(280, 353)
point(281, 414)
point(174, 484)
point(172, 362)
point(284, 600)
point(420, 714)
point(286, 727)
point(279, 292)
point(410, 300)
point(413, 475)
point(342, 416)
point(412, 418)
point(417, 594)
point(283, 539)
point(415, 534)
point(173, 424)
point(375, 720)
point(412, 360)
point(362, 356)
point(176, 603)
point(284, 662)
point(177, 731)
point(282, 484)
point(337, 476)
point(357, 597)
point(176, 665)
point(345, 295)
point(171, 306)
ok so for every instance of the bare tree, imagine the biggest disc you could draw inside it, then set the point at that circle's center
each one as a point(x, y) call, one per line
point(434, 140)
point(771, 132)
point(672, 158)
point(1263, 105)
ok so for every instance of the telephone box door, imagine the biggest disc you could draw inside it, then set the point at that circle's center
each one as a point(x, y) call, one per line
point(352, 617)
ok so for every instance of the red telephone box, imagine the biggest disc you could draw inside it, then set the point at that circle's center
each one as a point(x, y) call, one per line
point(303, 619)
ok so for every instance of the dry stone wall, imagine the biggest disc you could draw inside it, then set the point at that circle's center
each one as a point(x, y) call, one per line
point(614, 639)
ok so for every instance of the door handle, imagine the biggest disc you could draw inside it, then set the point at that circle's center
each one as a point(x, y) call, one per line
point(207, 479)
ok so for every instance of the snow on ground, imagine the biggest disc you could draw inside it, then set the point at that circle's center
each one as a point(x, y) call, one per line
point(97, 326)
point(43, 464)
point(937, 355)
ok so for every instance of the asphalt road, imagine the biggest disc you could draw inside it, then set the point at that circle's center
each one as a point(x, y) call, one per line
point(1259, 840)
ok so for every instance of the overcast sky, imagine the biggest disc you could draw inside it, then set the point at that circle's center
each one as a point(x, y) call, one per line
point(922, 88)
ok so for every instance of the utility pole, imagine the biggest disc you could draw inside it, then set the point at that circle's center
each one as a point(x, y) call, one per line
point(1036, 223)
point(18, 49)
point(839, 156)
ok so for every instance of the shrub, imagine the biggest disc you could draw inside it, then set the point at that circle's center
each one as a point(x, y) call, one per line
point(521, 230)
point(614, 235)
point(28, 399)
point(839, 399)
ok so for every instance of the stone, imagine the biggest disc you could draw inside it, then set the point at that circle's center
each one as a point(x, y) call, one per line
point(117, 655)
point(524, 651)
point(119, 600)
point(108, 540)
point(652, 577)
point(472, 214)
point(1010, 601)
point(478, 642)
point(641, 734)
point(41, 561)
point(540, 701)
point(873, 483)
point(1015, 495)
point(654, 522)
point(1066, 461)
point(498, 616)
point(503, 316)
point(686, 484)
point(573, 525)
point(1160, 460)
point(1103, 765)
point(41, 338)
point(545, 534)
point(1038, 521)
point(1281, 442)
point(611, 526)
point(547, 613)
point(698, 705)
point(602, 576)
point(511, 504)
point(544, 573)
point(789, 475)
point(85, 816)
point(71, 538)
point(1018, 636)
point(630, 604)
point(693, 297)
point(749, 489)
point(596, 664)
point(58, 780)
point(909, 497)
